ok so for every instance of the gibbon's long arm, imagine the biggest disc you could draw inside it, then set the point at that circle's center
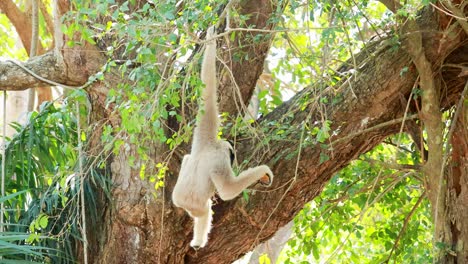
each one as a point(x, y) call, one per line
point(229, 186)
point(206, 129)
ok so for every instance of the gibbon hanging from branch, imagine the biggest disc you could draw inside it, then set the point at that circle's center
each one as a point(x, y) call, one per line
point(209, 166)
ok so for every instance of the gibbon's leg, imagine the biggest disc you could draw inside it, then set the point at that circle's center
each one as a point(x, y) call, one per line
point(176, 191)
point(201, 227)
point(229, 186)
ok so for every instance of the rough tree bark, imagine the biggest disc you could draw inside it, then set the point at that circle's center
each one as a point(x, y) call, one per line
point(22, 21)
point(136, 228)
point(457, 191)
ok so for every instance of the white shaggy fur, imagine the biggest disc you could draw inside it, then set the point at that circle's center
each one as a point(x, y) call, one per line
point(208, 167)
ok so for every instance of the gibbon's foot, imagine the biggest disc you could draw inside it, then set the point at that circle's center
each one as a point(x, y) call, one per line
point(197, 244)
point(265, 180)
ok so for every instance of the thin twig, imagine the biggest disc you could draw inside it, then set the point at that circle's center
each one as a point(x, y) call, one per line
point(394, 166)
point(364, 210)
point(405, 224)
point(226, 13)
point(81, 176)
point(349, 49)
point(398, 146)
point(448, 14)
point(3, 162)
point(363, 189)
point(259, 30)
point(290, 185)
point(457, 14)
point(33, 48)
point(381, 125)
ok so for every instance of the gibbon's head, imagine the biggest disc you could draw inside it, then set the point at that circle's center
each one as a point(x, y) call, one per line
point(230, 146)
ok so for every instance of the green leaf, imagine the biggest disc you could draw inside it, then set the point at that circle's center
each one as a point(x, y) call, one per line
point(142, 171)
point(323, 158)
point(169, 14)
point(172, 38)
point(404, 71)
point(43, 221)
point(83, 136)
point(245, 196)
point(264, 259)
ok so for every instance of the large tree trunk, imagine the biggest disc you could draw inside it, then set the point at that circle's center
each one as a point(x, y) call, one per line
point(138, 228)
point(456, 220)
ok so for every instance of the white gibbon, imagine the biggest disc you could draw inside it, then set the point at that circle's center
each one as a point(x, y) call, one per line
point(208, 167)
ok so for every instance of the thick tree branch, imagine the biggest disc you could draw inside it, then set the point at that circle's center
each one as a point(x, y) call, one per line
point(432, 119)
point(392, 5)
point(238, 227)
point(234, 94)
point(34, 44)
point(457, 175)
point(47, 18)
point(24, 25)
point(14, 78)
point(22, 22)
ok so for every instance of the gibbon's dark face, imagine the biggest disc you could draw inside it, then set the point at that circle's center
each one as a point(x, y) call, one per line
point(232, 155)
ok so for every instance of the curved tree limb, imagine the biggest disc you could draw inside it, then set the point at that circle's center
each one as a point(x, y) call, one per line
point(22, 23)
point(15, 78)
point(238, 227)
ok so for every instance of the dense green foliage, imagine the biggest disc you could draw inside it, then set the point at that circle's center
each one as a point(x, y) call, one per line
point(43, 205)
point(373, 211)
